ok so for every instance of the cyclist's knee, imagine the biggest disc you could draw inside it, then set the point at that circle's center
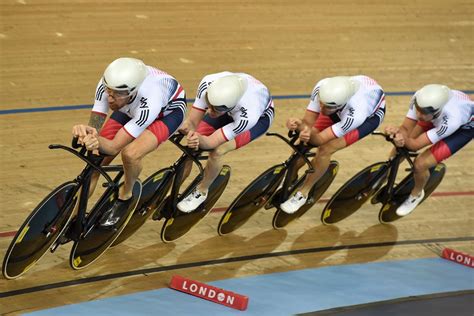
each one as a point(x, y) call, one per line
point(421, 164)
point(326, 150)
point(130, 154)
point(217, 154)
point(220, 151)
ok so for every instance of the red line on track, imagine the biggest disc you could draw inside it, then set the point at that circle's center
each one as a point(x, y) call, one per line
point(323, 200)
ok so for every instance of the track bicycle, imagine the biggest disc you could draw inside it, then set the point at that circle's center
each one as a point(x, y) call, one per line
point(369, 183)
point(265, 190)
point(161, 194)
point(53, 223)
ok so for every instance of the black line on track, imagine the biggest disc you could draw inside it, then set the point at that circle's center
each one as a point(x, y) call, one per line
point(221, 261)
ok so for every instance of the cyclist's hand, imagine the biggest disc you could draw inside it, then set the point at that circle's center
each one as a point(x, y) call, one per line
point(305, 134)
point(193, 140)
point(392, 130)
point(185, 128)
point(293, 123)
point(91, 142)
point(80, 131)
point(399, 140)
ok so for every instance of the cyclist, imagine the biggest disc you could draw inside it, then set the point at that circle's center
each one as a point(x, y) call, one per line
point(342, 110)
point(230, 111)
point(148, 106)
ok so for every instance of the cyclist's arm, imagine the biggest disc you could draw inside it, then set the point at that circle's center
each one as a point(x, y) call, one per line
point(309, 118)
point(97, 120)
point(302, 124)
point(198, 109)
point(100, 108)
point(408, 126)
point(192, 121)
point(417, 143)
point(212, 141)
point(321, 138)
point(113, 146)
point(414, 135)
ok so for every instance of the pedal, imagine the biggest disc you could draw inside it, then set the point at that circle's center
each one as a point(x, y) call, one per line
point(63, 239)
point(54, 246)
point(144, 210)
point(268, 205)
point(361, 196)
point(157, 216)
point(379, 196)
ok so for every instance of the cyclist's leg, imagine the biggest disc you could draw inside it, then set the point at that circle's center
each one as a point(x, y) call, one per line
point(428, 159)
point(421, 172)
point(111, 127)
point(155, 134)
point(323, 122)
point(323, 158)
point(215, 161)
point(206, 127)
point(437, 153)
point(321, 162)
point(132, 156)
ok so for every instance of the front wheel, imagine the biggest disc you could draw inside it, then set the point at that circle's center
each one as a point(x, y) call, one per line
point(355, 192)
point(40, 230)
point(251, 199)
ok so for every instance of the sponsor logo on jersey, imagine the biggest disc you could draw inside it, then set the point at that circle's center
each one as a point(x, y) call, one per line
point(143, 103)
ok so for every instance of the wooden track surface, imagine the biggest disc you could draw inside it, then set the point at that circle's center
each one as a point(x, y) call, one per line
point(54, 52)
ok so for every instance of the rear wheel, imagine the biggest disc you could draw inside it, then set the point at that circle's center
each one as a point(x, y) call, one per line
point(388, 213)
point(154, 191)
point(87, 249)
point(178, 225)
point(40, 230)
point(281, 219)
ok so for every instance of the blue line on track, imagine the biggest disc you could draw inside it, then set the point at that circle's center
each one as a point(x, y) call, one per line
point(294, 292)
point(88, 106)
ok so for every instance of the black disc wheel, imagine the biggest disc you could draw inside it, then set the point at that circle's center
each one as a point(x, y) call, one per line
point(354, 193)
point(281, 219)
point(90, 246)
point(40, 230)
point(251, 199)
point(401, 192)
point(179, 224)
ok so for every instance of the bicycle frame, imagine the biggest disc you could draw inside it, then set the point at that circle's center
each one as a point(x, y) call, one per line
point(299, 151)
point(262, 191)
point(395, 161)
point(84, 224)
point(177, 177)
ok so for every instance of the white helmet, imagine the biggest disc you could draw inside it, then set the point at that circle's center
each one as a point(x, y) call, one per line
point(224, 93)
point(125, 74)
point(431, 98)
point(336, 91)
